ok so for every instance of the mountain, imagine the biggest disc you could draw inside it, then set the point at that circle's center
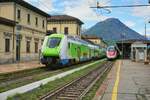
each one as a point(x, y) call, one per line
point(113, 29)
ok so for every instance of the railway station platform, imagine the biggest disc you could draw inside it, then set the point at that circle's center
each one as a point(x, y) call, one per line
point(126, 81)
point(6, 68)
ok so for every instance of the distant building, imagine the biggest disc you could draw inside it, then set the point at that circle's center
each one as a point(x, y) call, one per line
point(22, 31)
point(95, 40)
point(64, 24)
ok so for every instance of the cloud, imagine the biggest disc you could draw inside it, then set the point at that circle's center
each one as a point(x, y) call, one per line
point(148, 31)
point(82, 10)
point(129, 23)
point(44, 5)
point(77, 8)
point(142, 31)
point(143, 12)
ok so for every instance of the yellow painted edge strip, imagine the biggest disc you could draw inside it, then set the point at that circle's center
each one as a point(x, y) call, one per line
point(115, 88)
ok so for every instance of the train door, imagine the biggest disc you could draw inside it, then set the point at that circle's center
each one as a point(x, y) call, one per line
point(79, 53)
point(90, 53)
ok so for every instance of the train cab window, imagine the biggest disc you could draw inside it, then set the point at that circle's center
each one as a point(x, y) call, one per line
point(53, 42)
point(110, 49)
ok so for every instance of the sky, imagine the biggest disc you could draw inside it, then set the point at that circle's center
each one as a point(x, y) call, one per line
point(135, 18)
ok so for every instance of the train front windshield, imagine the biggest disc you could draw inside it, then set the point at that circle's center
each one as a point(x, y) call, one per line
point(53, 42)
point(110, 49)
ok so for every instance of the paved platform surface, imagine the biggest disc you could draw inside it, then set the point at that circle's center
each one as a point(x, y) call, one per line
point(5, 68)
point(127, 81)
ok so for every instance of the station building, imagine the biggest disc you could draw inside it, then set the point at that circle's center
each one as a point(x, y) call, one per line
point(135, 49)
point(64, 24)
point(22, 31)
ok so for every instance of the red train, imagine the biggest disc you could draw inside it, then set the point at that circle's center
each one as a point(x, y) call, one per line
point(112, 52)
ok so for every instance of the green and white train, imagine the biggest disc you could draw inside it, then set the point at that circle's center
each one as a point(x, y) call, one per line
point(64, 49)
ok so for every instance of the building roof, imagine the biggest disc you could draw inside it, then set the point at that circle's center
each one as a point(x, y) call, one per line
point(133, 40)
point(64, 18)
point(27, 5)
point(90, 37)
point(7, 21)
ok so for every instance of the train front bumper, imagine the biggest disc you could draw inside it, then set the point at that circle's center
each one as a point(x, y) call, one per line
point(49, 60)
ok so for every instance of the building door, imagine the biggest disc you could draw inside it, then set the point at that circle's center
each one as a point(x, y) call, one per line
point(17, 50)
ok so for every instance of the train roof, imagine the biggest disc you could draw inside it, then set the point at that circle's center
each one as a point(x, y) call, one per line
point(76, 39)
point(56, 35)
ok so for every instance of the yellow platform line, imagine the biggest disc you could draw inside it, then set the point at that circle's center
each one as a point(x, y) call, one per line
point(115, 88)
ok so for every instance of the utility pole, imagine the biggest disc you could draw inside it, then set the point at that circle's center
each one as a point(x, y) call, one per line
point(145, 29)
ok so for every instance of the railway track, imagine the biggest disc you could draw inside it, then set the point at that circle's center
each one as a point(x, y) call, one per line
point(16, 79)
point(28, 74)
point(76, 89)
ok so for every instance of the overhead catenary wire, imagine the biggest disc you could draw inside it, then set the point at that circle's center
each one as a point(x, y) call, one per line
point(98, 6)
point(105, 3)
point(120, 6)
point(107, 11)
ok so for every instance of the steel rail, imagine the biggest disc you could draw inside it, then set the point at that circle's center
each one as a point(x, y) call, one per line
point(79, 87)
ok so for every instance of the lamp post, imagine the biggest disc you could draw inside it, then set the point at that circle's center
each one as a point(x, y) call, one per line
point(122, 48)
point(146, 28)
point(145, 62)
